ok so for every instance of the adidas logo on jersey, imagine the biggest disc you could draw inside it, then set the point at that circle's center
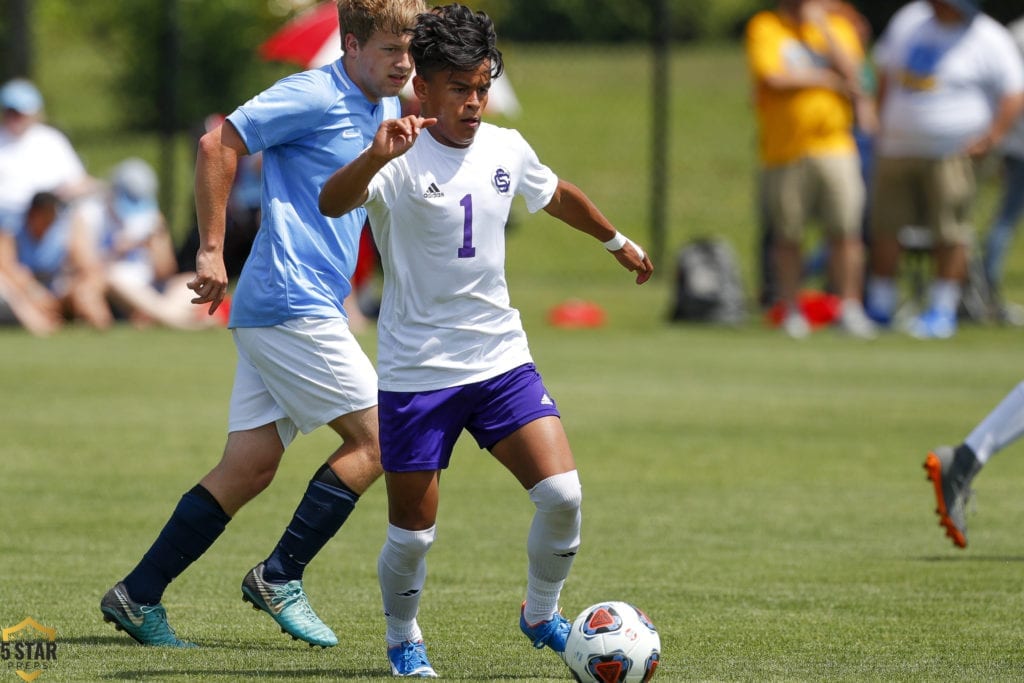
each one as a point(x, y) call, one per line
point(546, 401)
point(433, 192)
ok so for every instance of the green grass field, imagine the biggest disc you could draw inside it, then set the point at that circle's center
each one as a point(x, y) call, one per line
point(761, 499)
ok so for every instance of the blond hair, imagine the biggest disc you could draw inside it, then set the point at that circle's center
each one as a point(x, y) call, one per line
point(363, 18)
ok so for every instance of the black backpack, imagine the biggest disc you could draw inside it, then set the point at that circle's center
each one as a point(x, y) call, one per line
point(708, 284)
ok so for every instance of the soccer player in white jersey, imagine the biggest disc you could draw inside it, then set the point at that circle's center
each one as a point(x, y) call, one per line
point(452, 353)
point(299, 366)
point(951, 470)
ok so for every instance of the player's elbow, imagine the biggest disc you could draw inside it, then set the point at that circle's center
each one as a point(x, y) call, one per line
point(329, 206)
point(338, 199)
point(326, 208)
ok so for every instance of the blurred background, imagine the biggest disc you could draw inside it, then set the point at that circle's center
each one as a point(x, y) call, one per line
point(645, 103)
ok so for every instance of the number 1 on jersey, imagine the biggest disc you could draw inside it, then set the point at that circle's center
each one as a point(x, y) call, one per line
point(467, 250)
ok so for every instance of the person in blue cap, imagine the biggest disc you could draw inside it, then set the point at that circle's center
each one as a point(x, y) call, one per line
point(34, 158)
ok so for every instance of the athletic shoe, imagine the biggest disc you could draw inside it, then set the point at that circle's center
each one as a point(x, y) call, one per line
point(854, 322)
point(796, 325)
point(288, 605)
point(1010, 314)
point(409, 660)
point(147, 624)
point(933, 324)
point(951, 471)
point(552, 633)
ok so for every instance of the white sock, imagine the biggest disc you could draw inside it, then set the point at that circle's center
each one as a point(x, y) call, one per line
point(552, 544)
point(1001, 427)
point(944, 296)
point(851, 307)
point(402, 570)
point(882, 295)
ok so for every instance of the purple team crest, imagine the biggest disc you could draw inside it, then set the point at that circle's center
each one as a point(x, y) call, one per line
point(502, 180)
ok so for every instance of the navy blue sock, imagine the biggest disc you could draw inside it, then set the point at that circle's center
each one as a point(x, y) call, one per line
point(321, 512)
point(194, 525)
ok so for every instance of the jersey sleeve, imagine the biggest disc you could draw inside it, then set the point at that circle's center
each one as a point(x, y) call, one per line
point(383, 187)
point(538, 182)
point(66, 158)
point(762, 46)
point(1008, 66)
point(846, 34)
point(285, 111)
point(905, 20)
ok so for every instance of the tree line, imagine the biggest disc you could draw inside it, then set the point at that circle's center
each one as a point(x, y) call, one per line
point(177, 60)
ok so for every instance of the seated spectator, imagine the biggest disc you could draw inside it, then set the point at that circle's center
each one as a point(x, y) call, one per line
point(141, 273)
point(62, 258)
point(23, 299)
point(34, 157)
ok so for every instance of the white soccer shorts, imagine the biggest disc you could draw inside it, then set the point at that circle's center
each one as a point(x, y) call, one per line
point(301, 374)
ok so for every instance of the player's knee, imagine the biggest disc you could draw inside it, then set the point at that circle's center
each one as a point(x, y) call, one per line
point(369, 453)
point(239, 480)
point(259, 481)
point(404, 548)
point(558, 493)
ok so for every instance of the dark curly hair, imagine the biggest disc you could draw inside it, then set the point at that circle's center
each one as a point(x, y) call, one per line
point(454, 38)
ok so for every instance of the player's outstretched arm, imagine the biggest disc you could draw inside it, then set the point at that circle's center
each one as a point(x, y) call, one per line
point(346, 188)
point(570, 205)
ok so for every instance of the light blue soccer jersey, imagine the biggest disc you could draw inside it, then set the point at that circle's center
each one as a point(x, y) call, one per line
point(307, 125)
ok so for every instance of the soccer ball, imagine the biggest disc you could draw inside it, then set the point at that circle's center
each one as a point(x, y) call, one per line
point(612, 642)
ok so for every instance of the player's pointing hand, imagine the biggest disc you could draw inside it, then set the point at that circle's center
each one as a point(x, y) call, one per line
point(396, 136)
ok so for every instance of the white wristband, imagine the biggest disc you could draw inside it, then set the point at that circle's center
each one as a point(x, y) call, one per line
point(616, 243)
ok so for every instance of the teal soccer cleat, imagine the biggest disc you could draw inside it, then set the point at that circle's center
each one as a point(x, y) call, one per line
point(288, 605)
point(409, 660)
point(147, 624)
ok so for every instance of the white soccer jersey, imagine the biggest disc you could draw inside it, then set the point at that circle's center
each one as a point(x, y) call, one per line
point(438, 215)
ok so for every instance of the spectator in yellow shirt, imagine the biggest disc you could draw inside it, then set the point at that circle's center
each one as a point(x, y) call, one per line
point(805, 61)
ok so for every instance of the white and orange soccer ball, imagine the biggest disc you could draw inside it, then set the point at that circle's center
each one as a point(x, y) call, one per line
point(613, 642)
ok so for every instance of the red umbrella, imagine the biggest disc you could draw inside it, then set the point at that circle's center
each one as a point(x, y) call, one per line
point(310, 40)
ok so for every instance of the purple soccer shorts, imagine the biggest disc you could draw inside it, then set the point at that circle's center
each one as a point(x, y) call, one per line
point(418, 430)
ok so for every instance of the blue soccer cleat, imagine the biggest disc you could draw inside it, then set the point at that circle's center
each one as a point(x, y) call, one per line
point(288, 605)
point(551, 633)
point(409, 660)
point(147, 624)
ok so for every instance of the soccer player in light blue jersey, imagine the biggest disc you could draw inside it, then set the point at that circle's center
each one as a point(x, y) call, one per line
point(299, 365)
point(452, 353)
